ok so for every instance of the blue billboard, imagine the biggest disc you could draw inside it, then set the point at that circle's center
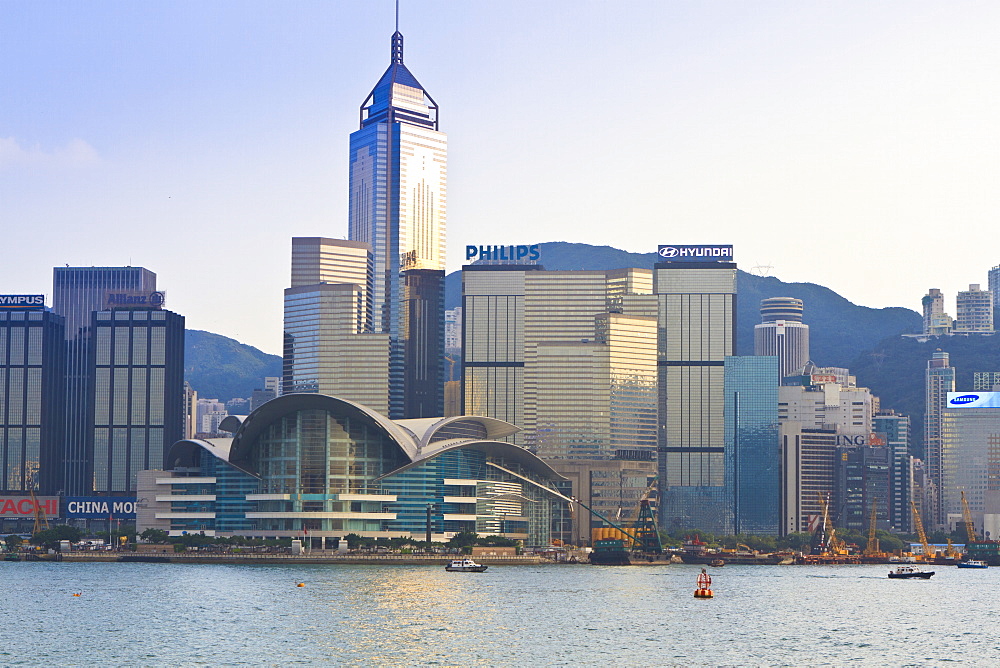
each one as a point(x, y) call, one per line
point(974, 400)
point(100, 507)
point(695, 253)
point(22, 302)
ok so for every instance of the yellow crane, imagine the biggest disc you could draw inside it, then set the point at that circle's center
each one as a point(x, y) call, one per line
point(872, 548)
point(970, 527)
point(837, 546)
point(928, 551)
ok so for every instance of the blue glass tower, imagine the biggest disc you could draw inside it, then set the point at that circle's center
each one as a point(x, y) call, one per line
point(752, 447)
point(398, 176)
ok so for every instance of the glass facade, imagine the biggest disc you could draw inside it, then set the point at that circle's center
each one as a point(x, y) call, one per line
point(32, 364)
point(397, 200)
point(329, 472)
point(697, 331)
point(752, 448)
point(939, 381)
point(970, 459)
point(894, 431)
point(136, 392)
point(77, 293)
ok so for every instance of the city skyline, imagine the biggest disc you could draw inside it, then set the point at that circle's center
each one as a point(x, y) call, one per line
point(197, 140)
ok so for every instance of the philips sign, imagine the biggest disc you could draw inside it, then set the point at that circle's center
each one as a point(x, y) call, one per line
point(98, 507)
point(504, 253)
point(696, 253)
point(22, 302)
point(974, 400)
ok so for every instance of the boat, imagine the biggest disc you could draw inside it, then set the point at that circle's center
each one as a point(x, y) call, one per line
point(972, 563)
point(910, 572)
point(465, 566)
point(717, 563)
point(610, 552)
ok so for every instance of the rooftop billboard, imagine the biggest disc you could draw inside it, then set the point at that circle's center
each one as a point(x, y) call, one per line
point(696, 253)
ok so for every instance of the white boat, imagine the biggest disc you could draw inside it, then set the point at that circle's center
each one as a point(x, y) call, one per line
point(910, 572)
point(465, 566)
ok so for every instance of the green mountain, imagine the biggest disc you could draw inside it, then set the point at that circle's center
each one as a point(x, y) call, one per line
point(839, 331)
point(222, 368)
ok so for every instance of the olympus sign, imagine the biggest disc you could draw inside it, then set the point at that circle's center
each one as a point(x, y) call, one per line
point(689, 253)
point(22, 301)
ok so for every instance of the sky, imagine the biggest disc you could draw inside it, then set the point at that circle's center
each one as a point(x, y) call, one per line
point(850, 144)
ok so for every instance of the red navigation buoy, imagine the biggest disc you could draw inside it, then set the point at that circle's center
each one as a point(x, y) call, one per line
point(704, 589)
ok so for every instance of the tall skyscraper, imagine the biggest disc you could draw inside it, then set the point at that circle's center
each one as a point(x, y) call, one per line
point(895, 431)
point(571, 356)
point(137, 386)
point(753, 475)
point(994, 286)
point(329, 345)
point(696, 294)
point(936, 321)
point(939, 381)
point(32, 401)
point(77, 293)
point(974, 311)
point(397, 205)
point(782, 334)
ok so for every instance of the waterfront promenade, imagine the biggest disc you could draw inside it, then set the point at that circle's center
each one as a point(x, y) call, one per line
point(315, 557)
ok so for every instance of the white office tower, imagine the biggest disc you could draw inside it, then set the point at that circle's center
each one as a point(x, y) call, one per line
point(329, 347)
point(974, 311)
point(936, 321)
point(782, 334)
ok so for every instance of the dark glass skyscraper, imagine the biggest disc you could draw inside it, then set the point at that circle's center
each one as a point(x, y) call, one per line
point(77, 293)
point(136, 391)
point(32, 401)
point(752, 447)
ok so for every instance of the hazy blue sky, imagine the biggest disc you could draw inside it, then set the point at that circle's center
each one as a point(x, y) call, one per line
point(851, 144)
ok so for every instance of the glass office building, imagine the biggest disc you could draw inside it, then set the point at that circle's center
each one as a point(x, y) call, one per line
point(32, 401)
point(322, 467)
point(752, 447)
point(76, 293)
point(697, 331)
point(136, 393)
point(939, 380)
point(894, 432)
point(397, 201)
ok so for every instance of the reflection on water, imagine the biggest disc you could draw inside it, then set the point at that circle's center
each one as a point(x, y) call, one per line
point(164, 614)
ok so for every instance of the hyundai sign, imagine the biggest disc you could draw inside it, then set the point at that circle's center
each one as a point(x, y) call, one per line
point(22, 302)
point(100, 507)
point(696, 253)
point(974, 400)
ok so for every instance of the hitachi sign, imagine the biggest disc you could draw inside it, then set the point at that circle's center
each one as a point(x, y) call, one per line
point(23, 506)
point(22, 301)
point(509, 253)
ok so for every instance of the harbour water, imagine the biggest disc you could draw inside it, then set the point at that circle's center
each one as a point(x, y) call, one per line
point(172, 614)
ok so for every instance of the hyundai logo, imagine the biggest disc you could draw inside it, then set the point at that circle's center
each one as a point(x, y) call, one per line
point(964, 399)
point(668, 251)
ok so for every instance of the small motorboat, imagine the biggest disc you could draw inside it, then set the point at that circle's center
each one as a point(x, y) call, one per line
point(717, 563)
point(465, 566)
point(910, 572)
point(972, 563)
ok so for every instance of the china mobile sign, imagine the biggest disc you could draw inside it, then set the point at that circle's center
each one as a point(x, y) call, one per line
point(12, 507)
point(100, 507)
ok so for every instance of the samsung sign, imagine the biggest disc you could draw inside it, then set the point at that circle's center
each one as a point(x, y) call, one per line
point(696, 253)
point(974, 400)
point(100, 507)
point(22, 302)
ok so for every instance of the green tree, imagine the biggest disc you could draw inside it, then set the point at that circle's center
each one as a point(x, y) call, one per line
point(49, 538)
point(463, 539)
point(13, 541)
point(155, 536)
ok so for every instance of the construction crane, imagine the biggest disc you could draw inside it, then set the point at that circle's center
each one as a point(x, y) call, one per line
point(41, 522)
point(645, 524)
point(928, 551)
point(970, 527)
point(872, 548)
point(828, 542)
